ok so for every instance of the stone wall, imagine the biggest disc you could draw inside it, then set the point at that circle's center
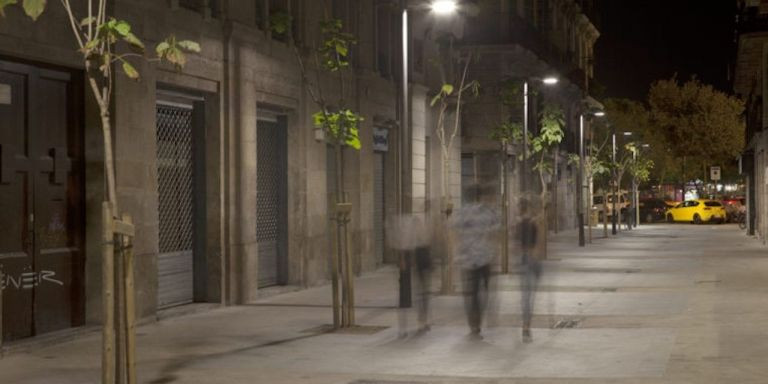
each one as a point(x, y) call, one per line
point(240, 71)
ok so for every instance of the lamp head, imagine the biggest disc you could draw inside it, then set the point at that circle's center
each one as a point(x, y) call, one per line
point(444, 7)
point(599, 113)
point(551, 80)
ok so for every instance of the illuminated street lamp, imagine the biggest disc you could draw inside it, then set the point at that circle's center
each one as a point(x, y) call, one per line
point(549, 81)
point(443, 8)
point(582, 203)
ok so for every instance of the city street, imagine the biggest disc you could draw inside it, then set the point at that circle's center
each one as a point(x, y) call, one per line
point(660, 304)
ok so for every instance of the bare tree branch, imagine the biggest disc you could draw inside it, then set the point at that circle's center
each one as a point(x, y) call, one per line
point(73, 22)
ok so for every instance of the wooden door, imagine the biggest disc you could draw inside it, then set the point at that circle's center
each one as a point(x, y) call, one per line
point(41, 200)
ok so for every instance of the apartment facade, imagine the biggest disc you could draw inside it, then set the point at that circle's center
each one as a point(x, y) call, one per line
point(526, 41)
point(750, 82)
point(226, 178)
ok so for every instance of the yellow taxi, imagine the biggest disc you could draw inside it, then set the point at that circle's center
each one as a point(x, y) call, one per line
point(697, 212)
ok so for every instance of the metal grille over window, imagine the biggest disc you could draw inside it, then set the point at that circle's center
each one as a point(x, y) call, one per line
point(175, 186)
point(268, 184)
point(175, 178)
point(271, 185)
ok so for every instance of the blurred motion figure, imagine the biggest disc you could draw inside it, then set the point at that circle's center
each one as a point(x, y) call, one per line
point(530, 266)
point(476, 226)
point(409, 234)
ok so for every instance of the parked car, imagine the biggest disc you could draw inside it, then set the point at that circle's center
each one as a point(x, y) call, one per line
point(621, 204)
point(652, 210)
point(697, 212)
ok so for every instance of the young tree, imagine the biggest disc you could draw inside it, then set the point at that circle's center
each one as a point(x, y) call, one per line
point(450, 98)
point(340, 126)
point(105, 42)
point(506, 133)
point(540, 148)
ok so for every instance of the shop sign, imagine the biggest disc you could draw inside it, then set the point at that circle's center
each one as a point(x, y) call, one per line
point(380, 139)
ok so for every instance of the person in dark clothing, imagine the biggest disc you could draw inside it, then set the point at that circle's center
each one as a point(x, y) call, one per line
point(423, 261)
point(530, 265)
point(477, 225)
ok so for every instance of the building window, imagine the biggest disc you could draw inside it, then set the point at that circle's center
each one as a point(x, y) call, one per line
point(418, 55)
point(384, 22)
point(206, 7)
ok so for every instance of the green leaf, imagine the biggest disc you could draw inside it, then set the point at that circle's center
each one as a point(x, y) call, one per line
point(162, 48)
point(5, 3)
point(280, 22)
point(447, 89)
point(353, 140)
point(130, 71)
point(134, 41)
point(91, 44)
point(189, 45)
point(176, 57)
point(435, 100)
point(122, 27)
point(318, 118)
point(34, 8)
point(342, 50)
point(87, 21)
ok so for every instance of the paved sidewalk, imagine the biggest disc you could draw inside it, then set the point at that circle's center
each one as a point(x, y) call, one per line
point(660, 304)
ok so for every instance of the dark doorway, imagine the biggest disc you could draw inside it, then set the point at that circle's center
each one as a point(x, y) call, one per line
point(41, 199)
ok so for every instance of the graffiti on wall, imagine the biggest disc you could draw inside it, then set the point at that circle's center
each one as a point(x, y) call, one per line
point(29, 280)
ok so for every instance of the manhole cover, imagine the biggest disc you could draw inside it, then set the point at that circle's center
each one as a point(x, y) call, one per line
point(566, 324)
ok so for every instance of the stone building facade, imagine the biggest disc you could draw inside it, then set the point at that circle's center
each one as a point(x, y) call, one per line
point(750, 82)
point(527, 40)
point(220, 166)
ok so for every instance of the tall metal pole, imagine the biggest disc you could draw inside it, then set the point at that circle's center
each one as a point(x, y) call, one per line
point(504, 211)
point(615, 186)
point(636, 201)
point(580, 192)
point(405, 267)
point(524, 168)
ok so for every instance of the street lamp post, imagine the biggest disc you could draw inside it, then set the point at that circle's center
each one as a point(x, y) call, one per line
point(550, 81)
point(580, 191)
point(580, 195)
point(442, 7)
point(614, 215)
point(635, 201)
point(635, 185)
point(615, 182)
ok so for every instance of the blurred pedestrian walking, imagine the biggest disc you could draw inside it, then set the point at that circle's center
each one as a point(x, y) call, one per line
point(476, 226)
point(530, 265)
point(410, 235)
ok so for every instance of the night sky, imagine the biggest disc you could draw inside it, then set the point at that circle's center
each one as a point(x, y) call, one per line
point(645, 40)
